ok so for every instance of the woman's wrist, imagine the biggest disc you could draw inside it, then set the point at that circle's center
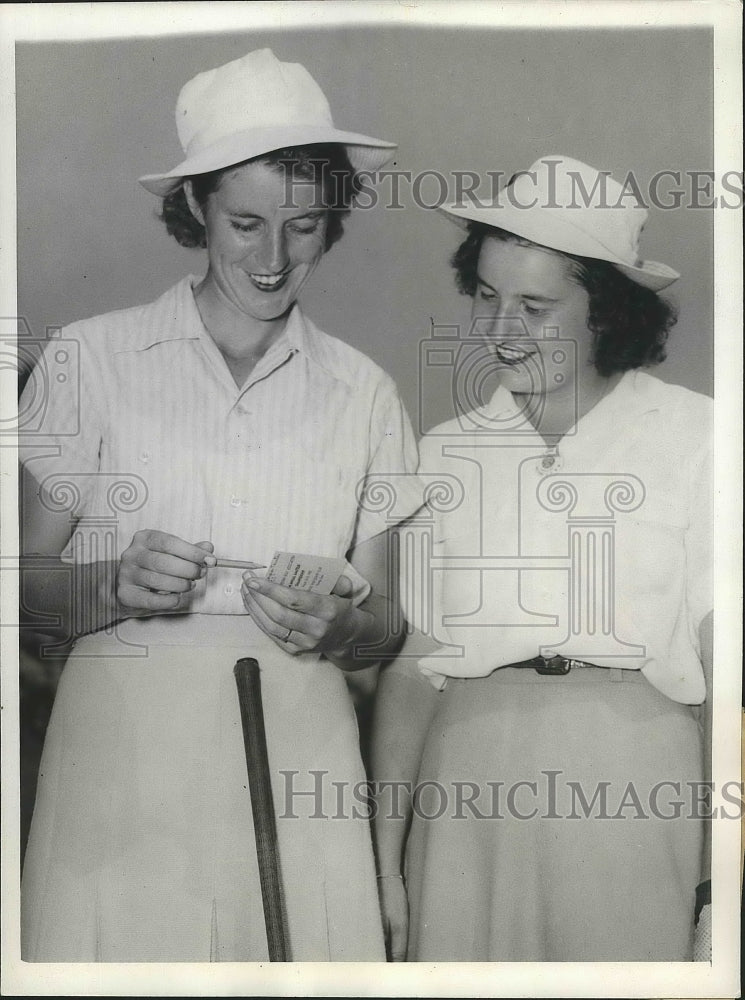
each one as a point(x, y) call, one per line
point(370, 628)
point(353, 633)
point(389, 853)
point(703, 898)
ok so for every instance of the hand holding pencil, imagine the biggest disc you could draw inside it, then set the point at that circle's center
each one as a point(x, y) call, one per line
point(158, 572)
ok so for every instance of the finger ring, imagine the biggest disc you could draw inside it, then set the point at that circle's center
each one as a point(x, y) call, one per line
point(285, 638)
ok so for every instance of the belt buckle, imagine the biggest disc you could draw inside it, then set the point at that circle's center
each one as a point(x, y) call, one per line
point(556, 666)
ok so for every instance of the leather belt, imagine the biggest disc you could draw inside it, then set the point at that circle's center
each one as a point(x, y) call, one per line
point(556, 666)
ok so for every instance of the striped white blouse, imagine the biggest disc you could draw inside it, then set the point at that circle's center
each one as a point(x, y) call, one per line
point(138, 423)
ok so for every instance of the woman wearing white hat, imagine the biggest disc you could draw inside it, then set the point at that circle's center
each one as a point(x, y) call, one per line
point(551, 735)
point(238, 428)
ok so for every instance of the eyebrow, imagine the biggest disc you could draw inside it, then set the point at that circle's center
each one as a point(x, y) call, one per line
point(524, 295)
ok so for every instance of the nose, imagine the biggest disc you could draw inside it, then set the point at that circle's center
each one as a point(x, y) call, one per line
point(502, 323)
point(274, 251)
point(510, 327)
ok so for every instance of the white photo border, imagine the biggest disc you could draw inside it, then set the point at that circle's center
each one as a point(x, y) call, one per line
point(49, 22)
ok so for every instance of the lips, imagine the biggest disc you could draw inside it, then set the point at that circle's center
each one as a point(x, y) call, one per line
point(510, 354)
point(269, 282)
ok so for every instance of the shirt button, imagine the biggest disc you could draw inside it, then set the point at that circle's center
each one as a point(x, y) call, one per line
point(228, 589)
point(242, 410)
point(235, 501)
point(144, 456)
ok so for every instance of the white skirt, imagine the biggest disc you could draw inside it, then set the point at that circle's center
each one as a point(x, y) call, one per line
point(142, 843)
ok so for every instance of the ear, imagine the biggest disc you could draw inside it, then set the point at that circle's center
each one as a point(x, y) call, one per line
point(194, 207)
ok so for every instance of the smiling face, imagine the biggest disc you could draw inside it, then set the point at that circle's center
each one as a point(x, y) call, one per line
point(265, 238)
point(524, 293)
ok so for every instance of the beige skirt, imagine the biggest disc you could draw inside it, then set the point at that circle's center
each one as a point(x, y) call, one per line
point(556, 820)
point(142, 844)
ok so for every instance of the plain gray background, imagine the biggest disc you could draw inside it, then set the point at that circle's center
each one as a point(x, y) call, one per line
point(94, 116)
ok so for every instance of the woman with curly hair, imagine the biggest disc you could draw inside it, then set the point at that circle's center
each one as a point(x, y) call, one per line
point(239, 428)
point(546, 731)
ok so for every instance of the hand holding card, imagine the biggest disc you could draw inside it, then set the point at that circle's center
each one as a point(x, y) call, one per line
point(304, 603)
point(317, 574)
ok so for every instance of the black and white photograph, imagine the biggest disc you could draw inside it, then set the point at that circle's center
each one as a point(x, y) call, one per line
point(371, 499)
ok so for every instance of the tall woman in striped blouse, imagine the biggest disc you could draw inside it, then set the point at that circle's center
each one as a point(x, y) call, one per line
point(215, 422)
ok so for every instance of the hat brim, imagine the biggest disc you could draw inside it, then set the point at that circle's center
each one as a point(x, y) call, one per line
point(552, 228)
point(365, 153)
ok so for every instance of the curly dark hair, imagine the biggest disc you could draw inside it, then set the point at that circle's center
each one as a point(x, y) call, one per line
point(630, 323)
point(325, 164)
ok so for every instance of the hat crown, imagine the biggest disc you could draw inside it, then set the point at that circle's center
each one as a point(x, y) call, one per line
point(253, 92)
point(590, 199)
point(568, 206)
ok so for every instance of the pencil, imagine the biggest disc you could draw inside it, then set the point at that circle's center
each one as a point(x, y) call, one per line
point(238, 564)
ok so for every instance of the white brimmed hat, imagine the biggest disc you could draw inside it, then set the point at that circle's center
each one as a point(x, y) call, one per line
point(566, 205)
point(252, 106)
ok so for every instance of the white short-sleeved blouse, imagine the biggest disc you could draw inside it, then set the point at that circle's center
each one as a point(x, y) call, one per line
point(562, 529)
point(143, 426)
